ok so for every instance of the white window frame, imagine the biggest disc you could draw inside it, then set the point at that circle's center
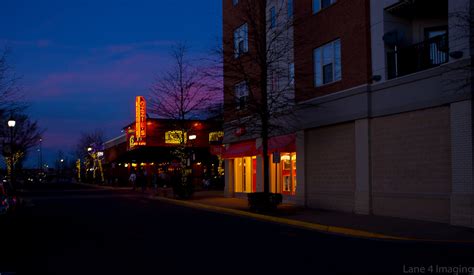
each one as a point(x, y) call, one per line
point(318, 5)
point(241, 36)
point(241, 90)
point(321, 60)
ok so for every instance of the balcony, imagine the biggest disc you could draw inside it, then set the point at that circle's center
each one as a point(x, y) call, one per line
point(425, 55)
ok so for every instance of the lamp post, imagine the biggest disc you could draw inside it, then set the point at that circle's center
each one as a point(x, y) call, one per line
point(41, 154)
point(11, 125)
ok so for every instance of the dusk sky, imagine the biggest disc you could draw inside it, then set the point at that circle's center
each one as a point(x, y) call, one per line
point(83, 62)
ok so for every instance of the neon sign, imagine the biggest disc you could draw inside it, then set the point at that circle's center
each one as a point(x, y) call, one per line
point(140, 121)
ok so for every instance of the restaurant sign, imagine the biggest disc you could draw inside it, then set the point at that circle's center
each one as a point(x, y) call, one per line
point(140, 121)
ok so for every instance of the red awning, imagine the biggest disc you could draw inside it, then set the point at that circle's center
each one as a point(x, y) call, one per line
point(241, 149)
point(286, 143)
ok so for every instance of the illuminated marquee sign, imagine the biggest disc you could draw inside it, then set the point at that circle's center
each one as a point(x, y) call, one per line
point(175, 137)
point(140, 121)
point(215, 137)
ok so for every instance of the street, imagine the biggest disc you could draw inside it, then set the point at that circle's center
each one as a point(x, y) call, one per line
point(78, 230)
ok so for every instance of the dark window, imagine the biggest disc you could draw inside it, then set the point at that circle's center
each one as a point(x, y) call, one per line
point(327, 73)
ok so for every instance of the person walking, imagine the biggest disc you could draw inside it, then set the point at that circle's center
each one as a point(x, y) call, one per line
point(141, 180)
point(154, 181)
point(133, 179)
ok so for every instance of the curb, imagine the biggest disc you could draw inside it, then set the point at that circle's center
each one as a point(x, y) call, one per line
point(294, 223)
point(349, 232)
point(103, 186)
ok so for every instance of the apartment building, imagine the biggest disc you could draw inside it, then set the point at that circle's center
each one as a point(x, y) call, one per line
point(381, 101)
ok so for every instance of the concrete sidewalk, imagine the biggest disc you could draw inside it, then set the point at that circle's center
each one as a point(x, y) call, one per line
point(336, 222)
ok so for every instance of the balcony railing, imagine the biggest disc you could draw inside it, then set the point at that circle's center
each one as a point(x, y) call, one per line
point(418, 57)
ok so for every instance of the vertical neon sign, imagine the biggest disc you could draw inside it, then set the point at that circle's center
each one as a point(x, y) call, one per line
point(140, 121)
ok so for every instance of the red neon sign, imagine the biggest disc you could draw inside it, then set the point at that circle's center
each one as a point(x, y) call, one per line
point(140, 121)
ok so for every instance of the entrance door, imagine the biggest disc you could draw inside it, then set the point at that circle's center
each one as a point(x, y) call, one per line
point(254, 175)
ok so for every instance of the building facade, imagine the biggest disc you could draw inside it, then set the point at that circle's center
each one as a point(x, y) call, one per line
point(150, 144)
point(382, 106)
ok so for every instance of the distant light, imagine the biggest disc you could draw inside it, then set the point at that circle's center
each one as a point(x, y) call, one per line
point(89, 149)
point(100, 154)
point(126, 165)
point(192, 137)
point(11, 123)
point(62, 160)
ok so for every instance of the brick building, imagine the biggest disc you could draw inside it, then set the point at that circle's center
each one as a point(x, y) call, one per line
point(153, 148)
point(380, 98)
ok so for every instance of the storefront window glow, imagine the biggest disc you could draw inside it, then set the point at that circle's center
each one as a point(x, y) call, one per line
point(175, 137)
point(245, 174)
point(283, 174)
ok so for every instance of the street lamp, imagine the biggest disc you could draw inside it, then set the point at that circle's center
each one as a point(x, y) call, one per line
point(11, 125)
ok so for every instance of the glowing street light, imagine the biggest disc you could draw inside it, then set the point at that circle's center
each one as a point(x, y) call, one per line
point(192, 137)
point(11, 123)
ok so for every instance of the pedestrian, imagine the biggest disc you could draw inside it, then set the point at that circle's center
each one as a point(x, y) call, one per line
point(133, 179)
point(141, 180)
point(154, 181)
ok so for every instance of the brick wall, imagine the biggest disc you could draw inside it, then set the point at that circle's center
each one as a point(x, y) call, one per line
point(411, 165)
point(330, 167)
point(348, 20)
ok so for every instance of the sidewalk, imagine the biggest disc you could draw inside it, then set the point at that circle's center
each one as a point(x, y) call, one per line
point(354, 225)
point(334, 222)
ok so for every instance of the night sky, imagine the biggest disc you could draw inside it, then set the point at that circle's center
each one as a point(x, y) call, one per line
point(83, 62)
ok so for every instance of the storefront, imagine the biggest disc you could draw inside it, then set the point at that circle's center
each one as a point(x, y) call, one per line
point(244, 164)
point(152, 145)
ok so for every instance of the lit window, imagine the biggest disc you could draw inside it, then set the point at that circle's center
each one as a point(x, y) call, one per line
point(327, 63)
point(175, 137)
point(241, 42)
point(241, 95)
point(245, 174)
point(321, 4)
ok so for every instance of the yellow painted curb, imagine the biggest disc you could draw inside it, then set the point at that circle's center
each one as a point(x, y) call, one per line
point(296, 223)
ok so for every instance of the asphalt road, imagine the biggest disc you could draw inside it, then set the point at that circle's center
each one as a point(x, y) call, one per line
point(74, 230)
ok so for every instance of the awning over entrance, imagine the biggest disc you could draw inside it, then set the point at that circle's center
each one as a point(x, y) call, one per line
point(241, 149)
point(286, 143)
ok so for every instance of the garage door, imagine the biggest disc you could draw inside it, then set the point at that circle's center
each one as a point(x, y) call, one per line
point(330, 167)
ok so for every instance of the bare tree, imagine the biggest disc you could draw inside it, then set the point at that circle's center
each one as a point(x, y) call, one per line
point(181, 94)
point(10, 92)
point(18, 140)
point(93, 138)
point(257, 63)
